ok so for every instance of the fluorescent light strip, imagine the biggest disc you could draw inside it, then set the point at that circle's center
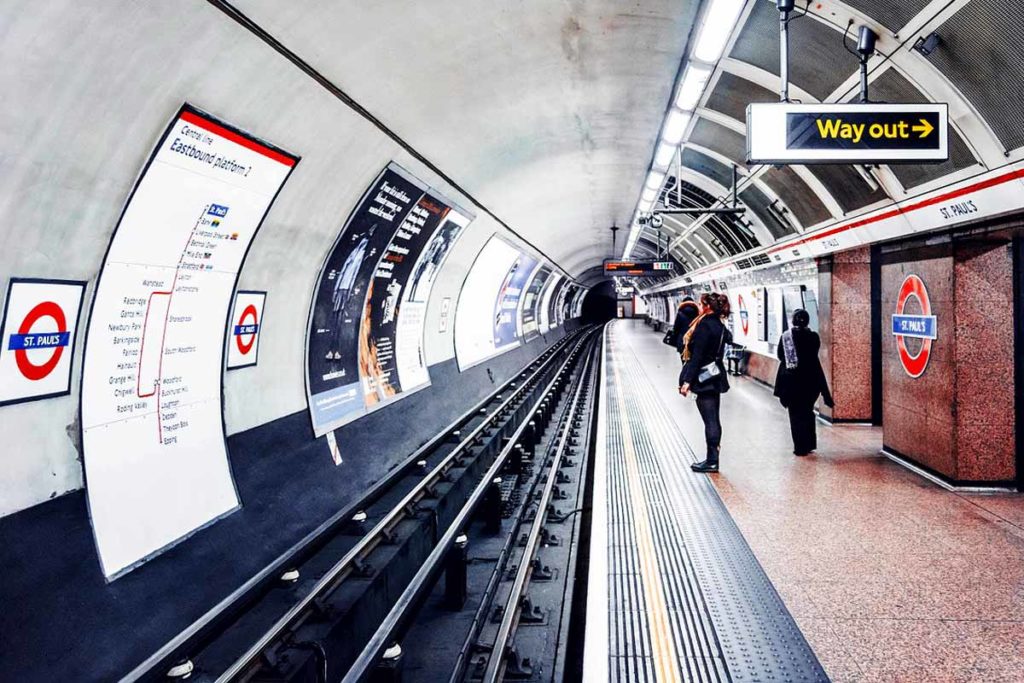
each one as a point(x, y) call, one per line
point(664, 154)
point(675, 126)
point(655, 179)
point(694, 80)
point(719, 22)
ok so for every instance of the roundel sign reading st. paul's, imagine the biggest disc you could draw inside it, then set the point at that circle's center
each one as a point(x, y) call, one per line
point(38, 335)
point(244, 329)
point(914, 326)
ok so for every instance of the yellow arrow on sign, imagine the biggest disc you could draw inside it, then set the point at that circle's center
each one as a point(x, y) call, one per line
point(924, 129)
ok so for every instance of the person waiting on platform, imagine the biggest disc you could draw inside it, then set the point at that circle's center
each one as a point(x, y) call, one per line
point(801, 380)
point(685, 315)
point(704, 375)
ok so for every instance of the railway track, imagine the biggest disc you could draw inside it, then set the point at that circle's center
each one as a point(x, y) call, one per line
point(309, 615)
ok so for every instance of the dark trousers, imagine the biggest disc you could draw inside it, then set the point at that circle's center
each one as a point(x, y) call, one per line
point(802, 425)
point(708, 405)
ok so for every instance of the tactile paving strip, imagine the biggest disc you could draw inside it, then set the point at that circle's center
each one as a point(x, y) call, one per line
point(726, 620)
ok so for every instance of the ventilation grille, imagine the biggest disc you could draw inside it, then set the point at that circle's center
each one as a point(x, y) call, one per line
point(893, 14)
point(980, 52)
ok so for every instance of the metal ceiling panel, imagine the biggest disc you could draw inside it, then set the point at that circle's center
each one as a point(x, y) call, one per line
point(703, 164)
point(980, 53)
point(846, 185)
point(818, 62)
point(718, 138)
point(733, 93)
point(758, 203)
point(892, 86)
point(892, 14)
point(800, 198)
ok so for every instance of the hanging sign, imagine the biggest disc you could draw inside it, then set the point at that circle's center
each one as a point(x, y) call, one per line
point(783, 133)
point(922, 326)
point(37, 339)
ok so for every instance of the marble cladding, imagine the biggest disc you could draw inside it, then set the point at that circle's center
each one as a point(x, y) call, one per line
point(844, 292)
point(957, 418)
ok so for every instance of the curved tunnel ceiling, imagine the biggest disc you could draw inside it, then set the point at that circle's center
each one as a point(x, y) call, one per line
point(545, 111)
point(976, 53)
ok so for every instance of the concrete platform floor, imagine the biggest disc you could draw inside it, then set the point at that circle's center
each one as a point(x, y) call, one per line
point(890, 577)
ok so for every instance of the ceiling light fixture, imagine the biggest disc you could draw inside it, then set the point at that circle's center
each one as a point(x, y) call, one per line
point(694, 80)
point(675, 126)
point(649, 195)
point(655, 179)
point(719, 22)
point(664, 154)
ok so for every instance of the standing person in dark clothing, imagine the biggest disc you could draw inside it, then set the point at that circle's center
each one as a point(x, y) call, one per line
point(685, 315)
point(801, 380)
point(704, 374)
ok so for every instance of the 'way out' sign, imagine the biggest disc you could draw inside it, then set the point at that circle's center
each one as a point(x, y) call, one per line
point(846, 133)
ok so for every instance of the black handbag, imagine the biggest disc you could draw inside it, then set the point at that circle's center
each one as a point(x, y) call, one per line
point(669, 339)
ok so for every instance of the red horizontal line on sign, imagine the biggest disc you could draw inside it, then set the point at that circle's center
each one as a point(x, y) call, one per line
point(197, 120)
point(983, 185)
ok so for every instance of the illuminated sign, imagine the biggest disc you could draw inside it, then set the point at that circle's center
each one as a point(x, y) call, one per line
point(846, 133)
point(633, 268)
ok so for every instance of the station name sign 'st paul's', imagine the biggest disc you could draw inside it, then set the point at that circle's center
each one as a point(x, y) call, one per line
point(846, 133)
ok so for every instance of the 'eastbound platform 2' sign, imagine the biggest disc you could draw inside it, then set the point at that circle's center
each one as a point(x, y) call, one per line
point(637, 267)
point(846, 133)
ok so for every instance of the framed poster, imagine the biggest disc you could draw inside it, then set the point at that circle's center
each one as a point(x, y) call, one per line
point(37, 338)
point(156, 460)
point(244, 329)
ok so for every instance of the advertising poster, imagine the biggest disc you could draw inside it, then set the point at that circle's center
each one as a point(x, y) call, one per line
point(531, 302)
point(380, 359)
point(412, 361)
point(546, 306)
point(478, 311)
point(156, 461)
point(244, 329)
point(565, 303)
point(37, 338)
point(506, 306)
point(339, 304)
point(557, 298)
point(577, 303)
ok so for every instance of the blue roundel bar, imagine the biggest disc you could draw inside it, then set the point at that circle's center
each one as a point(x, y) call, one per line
point(919, 326)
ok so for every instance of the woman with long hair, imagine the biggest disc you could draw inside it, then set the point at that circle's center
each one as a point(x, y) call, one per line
point(704, 374)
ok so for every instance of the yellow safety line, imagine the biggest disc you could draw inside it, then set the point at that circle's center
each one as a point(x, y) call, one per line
point(665, 658)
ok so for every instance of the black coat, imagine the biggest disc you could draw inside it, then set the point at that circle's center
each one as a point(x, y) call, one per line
point(686, 314)
point(707, 345)
point(805, 383)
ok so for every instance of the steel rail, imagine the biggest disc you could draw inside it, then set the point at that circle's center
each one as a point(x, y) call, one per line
point(375, 535)
point(513, 608)
point(380, 640)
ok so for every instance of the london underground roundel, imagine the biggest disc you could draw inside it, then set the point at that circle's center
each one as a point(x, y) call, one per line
point(244, 329)
point(744, 315)
point(908, 324)
point(38, 337)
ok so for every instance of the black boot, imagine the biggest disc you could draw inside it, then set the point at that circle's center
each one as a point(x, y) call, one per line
point(705, 466)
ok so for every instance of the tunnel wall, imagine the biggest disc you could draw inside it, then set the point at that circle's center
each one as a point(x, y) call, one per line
point(78, 124)
point(81, 117)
